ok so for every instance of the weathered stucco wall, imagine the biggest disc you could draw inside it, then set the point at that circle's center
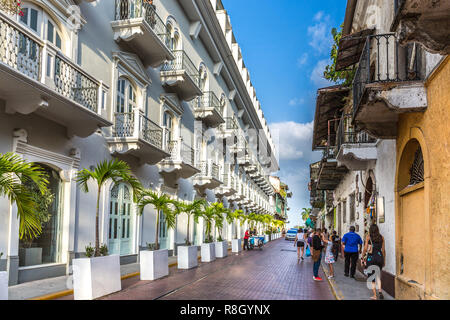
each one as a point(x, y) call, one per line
point(433, 134)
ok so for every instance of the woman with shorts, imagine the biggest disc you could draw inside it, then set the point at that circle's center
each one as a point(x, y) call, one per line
point(300, 242)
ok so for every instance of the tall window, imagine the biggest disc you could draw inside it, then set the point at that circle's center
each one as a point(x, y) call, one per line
point(30, 18)
point(53, 35)
point(126, 96)
point(168, 125)
point(344, 211)
point(352, 208)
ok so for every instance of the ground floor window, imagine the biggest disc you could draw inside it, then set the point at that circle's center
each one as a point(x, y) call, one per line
point(121, 220)
point(46, 248)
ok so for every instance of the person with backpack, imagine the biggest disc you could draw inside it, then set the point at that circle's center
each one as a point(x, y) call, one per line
point(317, 254)
point(373, 255)
point(300, 242)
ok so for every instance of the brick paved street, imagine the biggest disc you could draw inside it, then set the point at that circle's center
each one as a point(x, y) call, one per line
point(270, 274)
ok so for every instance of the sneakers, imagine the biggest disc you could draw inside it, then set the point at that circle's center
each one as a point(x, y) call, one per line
point(317, 278)
point(303, 258)
point(330, 277)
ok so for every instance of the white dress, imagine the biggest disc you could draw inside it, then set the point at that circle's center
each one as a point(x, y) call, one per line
point(329, 257)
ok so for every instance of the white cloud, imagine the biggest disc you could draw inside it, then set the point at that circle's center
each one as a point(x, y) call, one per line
point(320, 34)
point(302, 60)
point(296, 102)
point(317, 74)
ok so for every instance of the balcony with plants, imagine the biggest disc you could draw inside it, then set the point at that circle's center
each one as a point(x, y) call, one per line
point(209, 110)
point(139, 29)
point(56, 88)
point(135, 134)
point(181, 76)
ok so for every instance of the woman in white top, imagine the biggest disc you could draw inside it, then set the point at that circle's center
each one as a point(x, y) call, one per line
point(329, 256)
point(300, 242)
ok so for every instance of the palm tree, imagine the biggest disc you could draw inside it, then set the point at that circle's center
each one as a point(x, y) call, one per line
point(305, 213)
point(191, 209)
point(267, 220)
point(115, 170)
point(209, 215)
point(232, 216)
point(15, 173)
point(162, 204)
point(219, 210)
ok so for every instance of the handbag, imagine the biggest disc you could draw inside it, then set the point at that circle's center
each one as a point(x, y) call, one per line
point(308, 252)
point(316, 255)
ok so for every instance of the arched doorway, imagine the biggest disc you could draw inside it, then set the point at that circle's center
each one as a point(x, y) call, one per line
point(370, 216)
point(46, 248)
point(121, 220)
point(410, 186)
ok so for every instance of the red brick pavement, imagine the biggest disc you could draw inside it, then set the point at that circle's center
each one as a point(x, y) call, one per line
point(270, 274)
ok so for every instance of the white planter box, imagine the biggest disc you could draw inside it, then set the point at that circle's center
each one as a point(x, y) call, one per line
point(208, 252)
point(187, 257)
point(236, 245)
point(154, 264)
point(266, 238)
point(3, 285)
point(221, 249)
point(96, 277)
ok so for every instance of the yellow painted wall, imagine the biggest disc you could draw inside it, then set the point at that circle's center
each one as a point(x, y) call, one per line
point(432, 130)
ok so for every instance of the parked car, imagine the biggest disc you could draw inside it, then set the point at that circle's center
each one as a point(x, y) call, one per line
point(291, 234)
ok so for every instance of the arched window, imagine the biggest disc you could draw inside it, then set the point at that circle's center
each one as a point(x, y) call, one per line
point(126, 96)
point(174, 37)
point(168, 126)
point(203, 78)
point(416, 170)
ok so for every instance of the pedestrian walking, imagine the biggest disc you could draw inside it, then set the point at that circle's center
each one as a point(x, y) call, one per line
point(246, 238)
point(329, 256)
point(317, 254)
point(335, 238)
point(375, 249)
point(351, 246)
point(300, 242)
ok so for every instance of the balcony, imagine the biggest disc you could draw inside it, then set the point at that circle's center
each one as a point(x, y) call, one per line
point(330, 173)
point(181, 76)
point(426, 22)
point(208, 178)
point(140, 30)
point(356, 150)
point(228, 187)
point(388, 82)
point(209, 110)
point(36, 78)
point(228, 129)
point(181, 163)
point(137, 135)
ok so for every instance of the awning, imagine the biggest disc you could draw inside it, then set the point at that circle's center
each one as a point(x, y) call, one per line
point(350, 49)
point(329, 103)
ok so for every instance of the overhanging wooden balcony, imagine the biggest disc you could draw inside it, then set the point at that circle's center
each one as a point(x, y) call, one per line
point(137, 135)
point(426, 22)
point(35, 77)
point(181, 76)
point(330, 174)
point(388, 82)
point(209, 110)
point(139, 29)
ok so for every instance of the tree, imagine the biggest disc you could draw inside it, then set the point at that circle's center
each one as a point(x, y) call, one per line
point(193, 209)
point(267, 220)
point(115, 170)
point(305, 213)
point(212, 213)
point(232, 216)
point(15, 174)
point(344, 77)
point(162, 203)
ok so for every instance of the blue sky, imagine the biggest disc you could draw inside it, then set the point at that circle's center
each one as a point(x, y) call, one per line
point(286, 45)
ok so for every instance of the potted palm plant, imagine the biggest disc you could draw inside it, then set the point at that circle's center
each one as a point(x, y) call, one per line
point(236, 242)
point(221, 246)
point(154, 263)
point(187, 254)
point(208, 253)
point(15, 174)
point(99, 275)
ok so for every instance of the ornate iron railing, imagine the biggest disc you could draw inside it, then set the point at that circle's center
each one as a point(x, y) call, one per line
point(351, 137)
point(75, 84)
point(20, 51)
point(150, 131)
point(383, 60)
point(188, 154)
point(123, 125)
point(209, 169)
point(209, 100)
point(132, 9)
point(23, 52)
point(182, 62)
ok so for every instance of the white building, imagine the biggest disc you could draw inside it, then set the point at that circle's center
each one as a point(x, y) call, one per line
point(163, 87)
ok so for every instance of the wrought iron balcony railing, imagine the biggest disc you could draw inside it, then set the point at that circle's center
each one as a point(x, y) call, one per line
point(384, 60)
point(125, 125)
point(209, 100)
point(230, 124)
point(209, 169)
point(182, 62)
point(132, 9)
point(23, 51)
point(180, 151)
point(351, 137)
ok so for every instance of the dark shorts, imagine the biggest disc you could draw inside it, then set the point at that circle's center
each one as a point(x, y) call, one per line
point(300, 244)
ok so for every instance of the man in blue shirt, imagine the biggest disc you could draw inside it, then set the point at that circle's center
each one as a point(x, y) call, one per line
point(351, 245)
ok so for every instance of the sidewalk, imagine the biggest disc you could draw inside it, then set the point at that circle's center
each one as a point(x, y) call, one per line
point(346, 288)
point(41, 288)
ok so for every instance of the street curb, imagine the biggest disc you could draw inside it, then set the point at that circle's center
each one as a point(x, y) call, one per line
point(334, 289)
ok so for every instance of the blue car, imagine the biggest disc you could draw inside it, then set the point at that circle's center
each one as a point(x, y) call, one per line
point(291, 234)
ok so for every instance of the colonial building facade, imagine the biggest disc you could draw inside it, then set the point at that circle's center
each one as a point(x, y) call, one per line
point(161, 85)
point(383, 142)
